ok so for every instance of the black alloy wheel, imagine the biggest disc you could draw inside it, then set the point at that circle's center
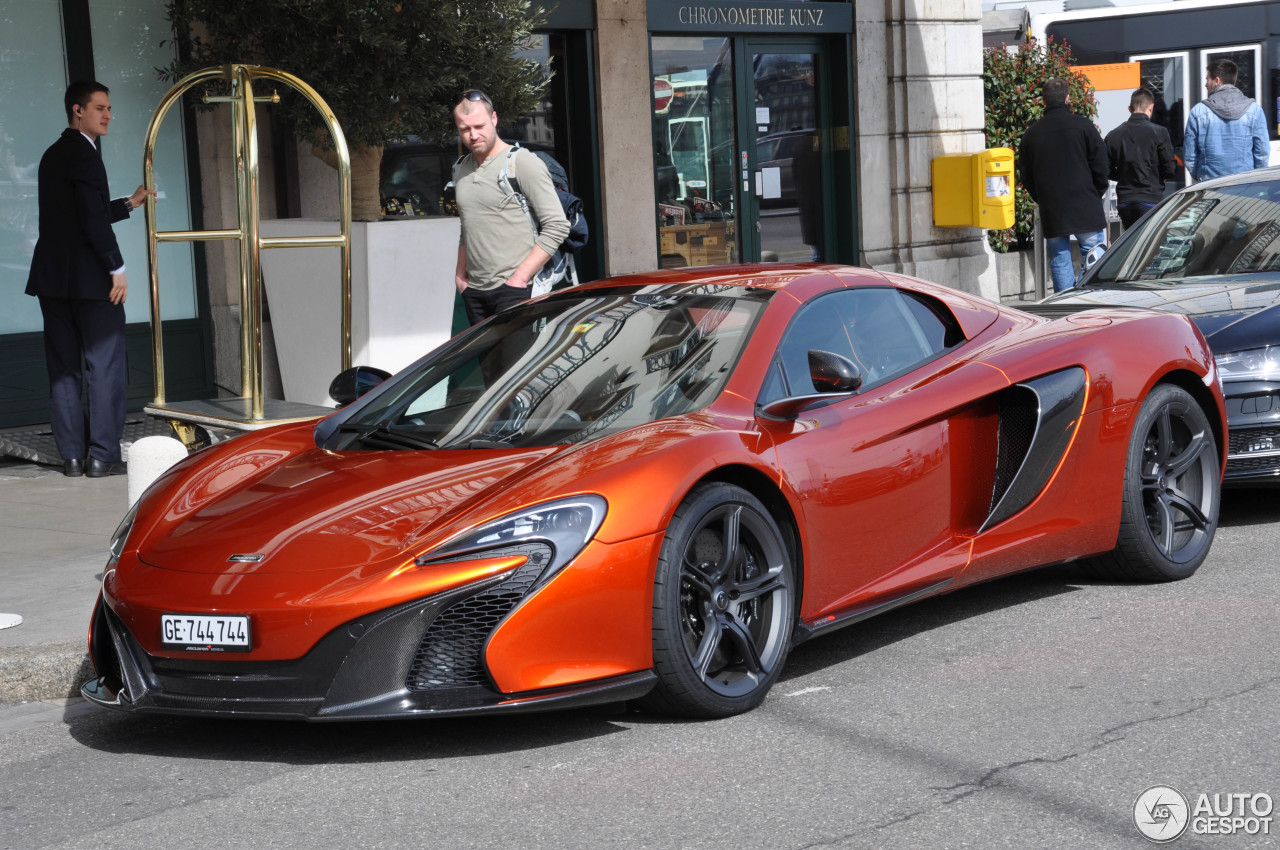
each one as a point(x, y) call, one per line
point(1172, 491)
point(723, 605)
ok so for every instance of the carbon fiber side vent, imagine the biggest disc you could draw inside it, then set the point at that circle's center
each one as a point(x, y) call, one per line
point(1037, 420)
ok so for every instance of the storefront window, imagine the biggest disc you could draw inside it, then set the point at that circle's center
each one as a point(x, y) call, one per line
point(694, 150)
point(788, 157)
point(537, 129)
point(127, 48)
point(32, 81)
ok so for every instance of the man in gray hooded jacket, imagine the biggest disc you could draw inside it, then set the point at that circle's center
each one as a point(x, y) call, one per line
point(1226, 132)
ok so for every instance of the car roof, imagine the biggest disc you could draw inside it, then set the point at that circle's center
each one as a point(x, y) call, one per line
point(775, 276)
point(803, 281)
point(1257, 176)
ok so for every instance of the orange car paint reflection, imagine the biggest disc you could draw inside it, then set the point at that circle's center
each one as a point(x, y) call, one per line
point(885, 491)
point(588, 623)
point(376, 508)
point(289, 613)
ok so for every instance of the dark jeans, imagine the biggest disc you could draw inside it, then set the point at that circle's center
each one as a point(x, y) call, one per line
point(483, 303)
point(92, 329)
point(1131, 211)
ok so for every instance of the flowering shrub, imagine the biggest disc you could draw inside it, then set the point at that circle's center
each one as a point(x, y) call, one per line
point(1011, 83)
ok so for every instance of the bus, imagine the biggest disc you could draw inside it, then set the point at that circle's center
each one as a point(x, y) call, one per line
point(1172, 42)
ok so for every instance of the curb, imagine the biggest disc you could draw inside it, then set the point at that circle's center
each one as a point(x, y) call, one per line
point(42, 672)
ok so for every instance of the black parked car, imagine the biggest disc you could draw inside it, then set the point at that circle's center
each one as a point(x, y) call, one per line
point(1211, 251)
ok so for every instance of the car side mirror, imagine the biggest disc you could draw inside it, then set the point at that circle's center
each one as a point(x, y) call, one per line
point(352, 383)
point(833, 373)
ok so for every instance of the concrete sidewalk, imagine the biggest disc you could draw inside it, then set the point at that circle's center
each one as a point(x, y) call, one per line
point(54, 533)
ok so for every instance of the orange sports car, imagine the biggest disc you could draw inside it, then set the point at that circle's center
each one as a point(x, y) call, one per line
point(649, 489)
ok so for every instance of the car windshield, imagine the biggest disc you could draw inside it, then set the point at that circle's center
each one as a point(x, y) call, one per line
point(566, 369)
point(1217, 232)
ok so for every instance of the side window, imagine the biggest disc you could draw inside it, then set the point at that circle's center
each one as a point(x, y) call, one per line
point(940, 328)
point(818, 325)
point(886, 332)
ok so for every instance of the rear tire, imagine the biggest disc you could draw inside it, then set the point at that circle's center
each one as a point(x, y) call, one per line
point(723, 606)
point(1172, 490)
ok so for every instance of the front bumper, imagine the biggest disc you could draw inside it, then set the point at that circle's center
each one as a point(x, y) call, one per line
point(369, 668)
point(1253, 422)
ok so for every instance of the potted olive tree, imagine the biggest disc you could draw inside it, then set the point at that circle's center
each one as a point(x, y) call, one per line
point(389, 70)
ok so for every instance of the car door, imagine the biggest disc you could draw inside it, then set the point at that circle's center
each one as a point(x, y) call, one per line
point(874, 473)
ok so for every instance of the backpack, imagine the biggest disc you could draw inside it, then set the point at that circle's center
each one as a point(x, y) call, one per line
point(569, 202)
point(561, 266)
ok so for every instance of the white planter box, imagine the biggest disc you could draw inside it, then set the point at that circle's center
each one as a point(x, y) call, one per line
point(402, 295)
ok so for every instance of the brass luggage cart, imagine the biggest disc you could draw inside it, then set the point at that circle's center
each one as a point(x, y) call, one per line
point(251, 410)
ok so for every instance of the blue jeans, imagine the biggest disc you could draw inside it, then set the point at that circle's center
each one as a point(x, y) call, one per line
point(1059, 248)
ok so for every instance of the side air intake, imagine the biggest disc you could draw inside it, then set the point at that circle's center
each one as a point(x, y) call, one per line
point(1037, 420)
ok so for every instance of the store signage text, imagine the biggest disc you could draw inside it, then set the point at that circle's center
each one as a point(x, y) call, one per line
point(752, 16)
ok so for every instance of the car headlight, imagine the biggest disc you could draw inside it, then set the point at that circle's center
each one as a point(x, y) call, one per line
point(1252, 364)
point(121, 535)
point(565, 525)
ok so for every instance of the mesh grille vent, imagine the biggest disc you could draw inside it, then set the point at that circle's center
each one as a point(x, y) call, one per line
point(450, 653)
point(1238, 444)
point(1240, 440)
point(1254, 464)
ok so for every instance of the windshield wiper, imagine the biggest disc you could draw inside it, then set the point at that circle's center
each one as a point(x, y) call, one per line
point(482, 444)
point(383, 434)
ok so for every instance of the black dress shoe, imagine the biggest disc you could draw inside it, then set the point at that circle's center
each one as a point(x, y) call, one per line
point(73, 468)
point(96, 468)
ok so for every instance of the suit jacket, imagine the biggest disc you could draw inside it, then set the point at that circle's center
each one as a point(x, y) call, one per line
point(1063, 164)
point(76, 250)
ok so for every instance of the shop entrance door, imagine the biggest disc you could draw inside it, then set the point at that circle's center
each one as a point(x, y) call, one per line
point(741, 134)
point(783, 156)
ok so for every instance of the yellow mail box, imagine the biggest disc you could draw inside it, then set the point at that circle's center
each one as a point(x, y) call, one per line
point(974, 189)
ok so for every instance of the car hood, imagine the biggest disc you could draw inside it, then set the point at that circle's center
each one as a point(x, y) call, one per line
point(1232, 315)
point(286, 508)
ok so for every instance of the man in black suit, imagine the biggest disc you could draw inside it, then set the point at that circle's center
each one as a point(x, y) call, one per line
point(77, 272)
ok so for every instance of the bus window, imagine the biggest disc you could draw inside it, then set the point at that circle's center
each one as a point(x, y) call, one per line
point(1246, 59)
point(1168, 77)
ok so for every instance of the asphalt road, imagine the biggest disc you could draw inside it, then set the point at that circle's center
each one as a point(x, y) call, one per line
point(1029, 712)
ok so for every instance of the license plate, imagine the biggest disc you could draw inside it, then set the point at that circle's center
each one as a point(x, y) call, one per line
point(203, 632)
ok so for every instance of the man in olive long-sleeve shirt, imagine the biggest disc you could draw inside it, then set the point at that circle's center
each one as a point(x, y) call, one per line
point(1141, 157)
point(498, 251)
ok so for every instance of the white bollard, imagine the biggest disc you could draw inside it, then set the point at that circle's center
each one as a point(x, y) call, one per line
point(149, 457)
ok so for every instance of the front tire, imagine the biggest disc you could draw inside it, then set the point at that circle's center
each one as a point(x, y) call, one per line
point(1172, 490)
point(723, 605)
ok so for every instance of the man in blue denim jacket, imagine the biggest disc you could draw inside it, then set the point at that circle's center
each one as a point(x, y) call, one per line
point(1226, 132)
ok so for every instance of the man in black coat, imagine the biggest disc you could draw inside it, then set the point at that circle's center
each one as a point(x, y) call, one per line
point(1063, 164)
point(1141, 156)
point(77, 272)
